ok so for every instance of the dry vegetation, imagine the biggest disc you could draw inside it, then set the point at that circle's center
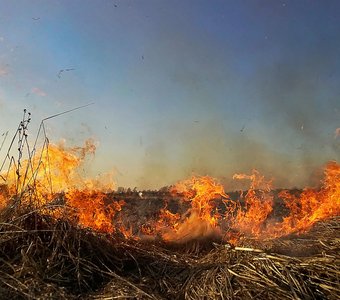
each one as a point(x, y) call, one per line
point(45, 258)
point(45, 253)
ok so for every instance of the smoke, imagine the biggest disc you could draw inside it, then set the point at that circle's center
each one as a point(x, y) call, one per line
point(278, 118)
point(156, 167)
point(300, 99)
point(210, 149)
point(296, 93)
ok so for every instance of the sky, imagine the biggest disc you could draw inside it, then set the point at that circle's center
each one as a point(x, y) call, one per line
point(178, 87)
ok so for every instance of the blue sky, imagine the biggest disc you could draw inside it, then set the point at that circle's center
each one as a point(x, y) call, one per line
point(210, 87)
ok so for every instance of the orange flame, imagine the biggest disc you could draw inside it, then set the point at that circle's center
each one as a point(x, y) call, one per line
point(254, 217)
point(258, 204)
point(200, 220)
point(312, 205)
point(3, 199)
point(90, 210)
point(56, 169)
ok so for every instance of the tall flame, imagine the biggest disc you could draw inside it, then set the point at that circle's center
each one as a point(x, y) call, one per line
point(251, 216)
point(311, 205)
point(258, 204)
point(201, 219)
point(55, 169)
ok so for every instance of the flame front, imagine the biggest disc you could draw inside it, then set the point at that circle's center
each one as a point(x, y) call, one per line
point(206, 210)
point(54, 173)
point(251, 215)
point(200, 219)
point(311, 205)
point(258, 205)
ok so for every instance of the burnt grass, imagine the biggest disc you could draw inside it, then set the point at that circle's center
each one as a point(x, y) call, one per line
point(46, 258)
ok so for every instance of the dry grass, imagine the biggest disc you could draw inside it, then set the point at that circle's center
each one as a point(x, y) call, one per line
point(42, 257)
point(45, 258)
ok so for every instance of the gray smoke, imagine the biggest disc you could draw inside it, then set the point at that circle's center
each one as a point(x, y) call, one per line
point(294, 97)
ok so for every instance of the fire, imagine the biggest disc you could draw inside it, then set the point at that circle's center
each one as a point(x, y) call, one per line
point(253, 218)
point(167, 219)
point(312, 205)
point(200, 219)
point(54, 173)
point(58, 168)
point(258, 205)
point(51, 170)
point(3, 200)
point(89, 209)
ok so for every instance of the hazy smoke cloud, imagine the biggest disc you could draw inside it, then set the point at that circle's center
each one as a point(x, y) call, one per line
point(211, 150)
point(294, 93)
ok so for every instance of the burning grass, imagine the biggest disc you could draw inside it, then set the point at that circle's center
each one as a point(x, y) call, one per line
point(64, 236)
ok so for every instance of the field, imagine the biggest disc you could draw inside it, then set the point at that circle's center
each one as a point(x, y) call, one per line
point(64, 236)
point(43, 257)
